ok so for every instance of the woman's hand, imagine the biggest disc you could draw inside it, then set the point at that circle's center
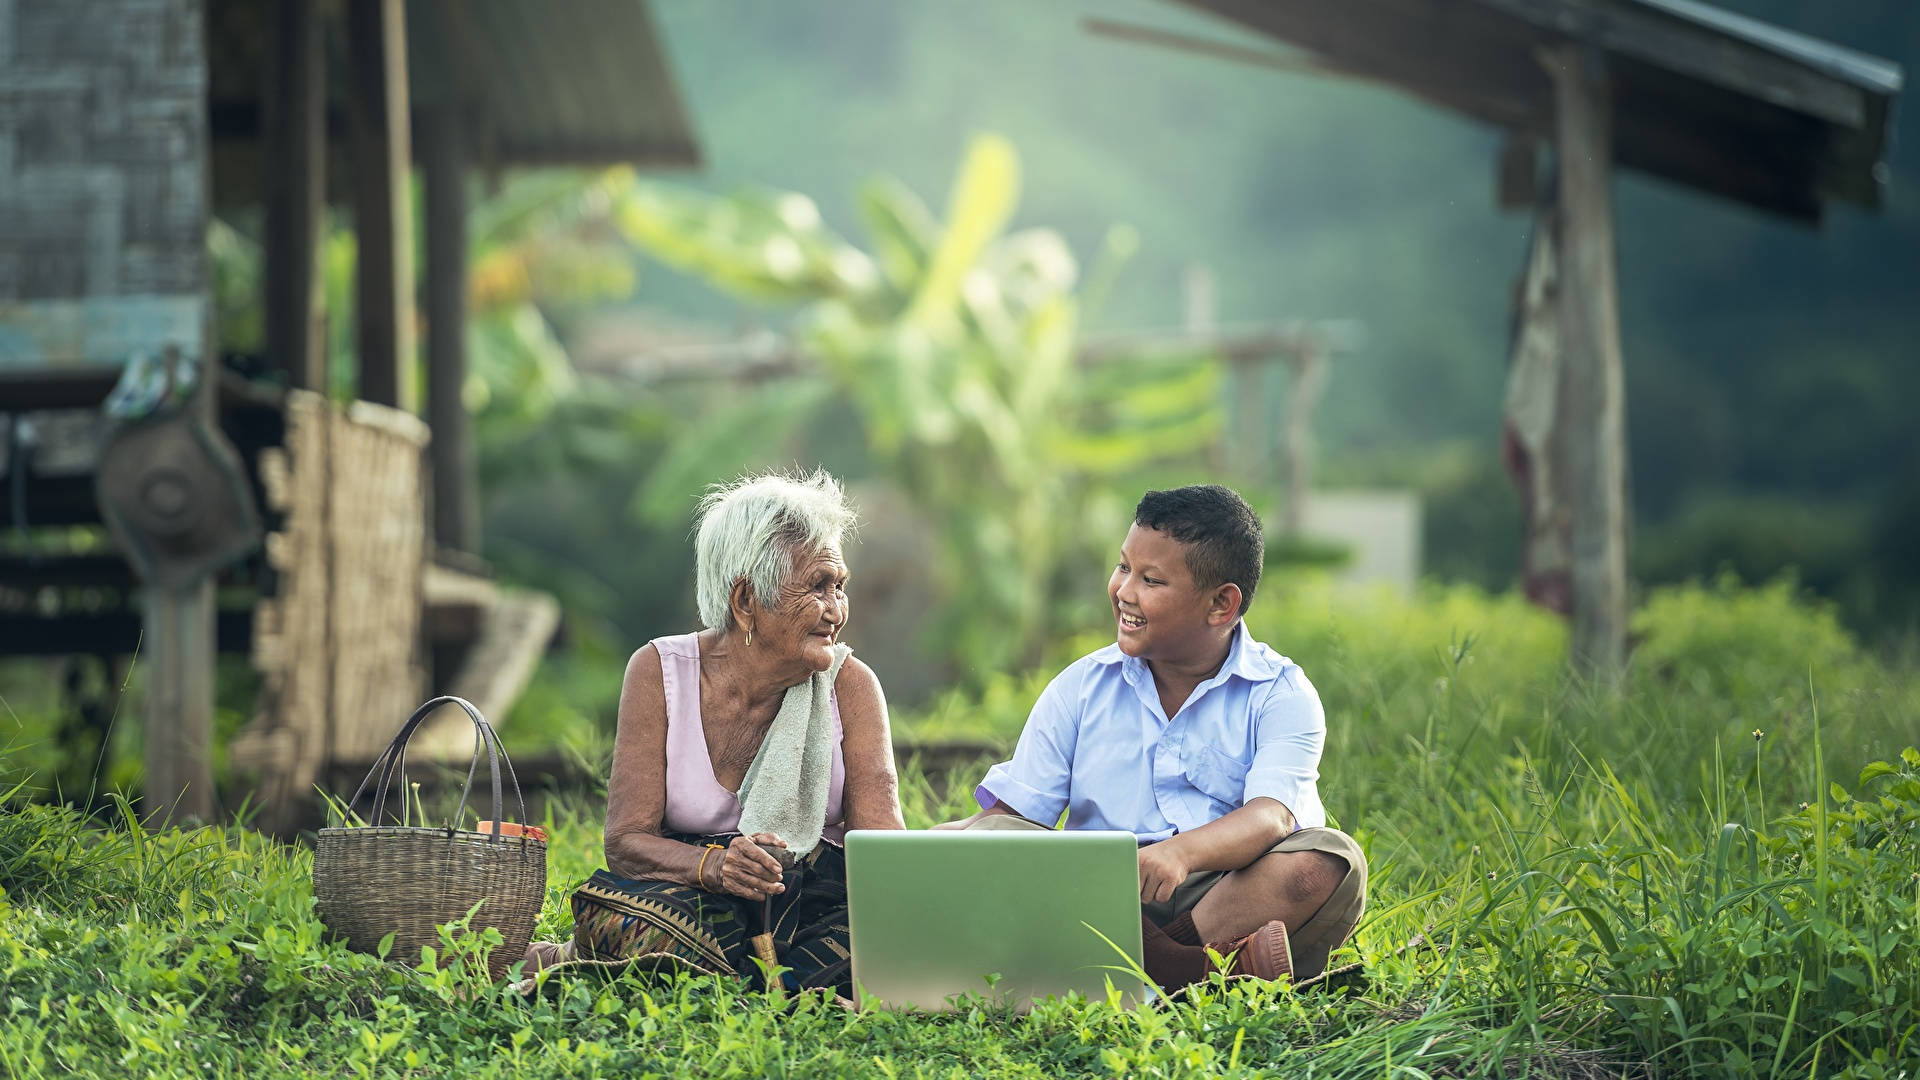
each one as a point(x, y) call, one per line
point(748, 871)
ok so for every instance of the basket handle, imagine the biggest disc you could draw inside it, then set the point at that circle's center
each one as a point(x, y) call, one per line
point(395, 755)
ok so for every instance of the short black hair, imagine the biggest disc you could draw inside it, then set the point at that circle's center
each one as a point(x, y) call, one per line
point(1221, 533)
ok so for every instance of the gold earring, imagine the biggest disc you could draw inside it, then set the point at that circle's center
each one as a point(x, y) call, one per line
point(749, 637)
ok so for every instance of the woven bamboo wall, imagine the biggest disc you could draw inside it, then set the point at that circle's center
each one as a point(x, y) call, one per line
point(339, 646)
point(377, 512)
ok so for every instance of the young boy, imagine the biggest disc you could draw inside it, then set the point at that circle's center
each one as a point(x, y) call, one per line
point(1202, 742)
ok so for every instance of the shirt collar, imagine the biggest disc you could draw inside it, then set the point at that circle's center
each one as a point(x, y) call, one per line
point(1246, 658)
point(1249, 659)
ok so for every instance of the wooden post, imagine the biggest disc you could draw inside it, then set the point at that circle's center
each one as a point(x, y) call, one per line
point(178, 634)
point(1309, 367)
point(1229, 454)
point(296, 149)
point(456, 510)
point(382, 208)
point(1197, 303)
point(1592, 413)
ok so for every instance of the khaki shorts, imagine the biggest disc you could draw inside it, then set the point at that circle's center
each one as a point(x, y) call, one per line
point(1310, 942)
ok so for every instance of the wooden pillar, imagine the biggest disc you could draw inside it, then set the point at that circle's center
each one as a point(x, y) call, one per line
point(1592, 413)
point(295, 97)
point(456, 510)
point(382, 208)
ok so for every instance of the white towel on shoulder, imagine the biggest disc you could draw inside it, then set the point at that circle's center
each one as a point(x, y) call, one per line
point(785, 791)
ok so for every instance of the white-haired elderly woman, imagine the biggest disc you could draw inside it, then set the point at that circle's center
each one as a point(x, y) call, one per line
point(745, 751)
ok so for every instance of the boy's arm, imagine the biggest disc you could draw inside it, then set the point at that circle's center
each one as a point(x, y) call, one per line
point(1034, 784)
point(1229, 842)
point(996, 810)
point(1290, 734)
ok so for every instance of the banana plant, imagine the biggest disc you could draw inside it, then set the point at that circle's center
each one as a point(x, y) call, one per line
point(955, 341)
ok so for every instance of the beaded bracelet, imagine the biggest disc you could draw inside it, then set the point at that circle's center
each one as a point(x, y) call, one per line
point(700, 874)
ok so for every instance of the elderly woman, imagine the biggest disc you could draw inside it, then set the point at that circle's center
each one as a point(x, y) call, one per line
point(744, 753)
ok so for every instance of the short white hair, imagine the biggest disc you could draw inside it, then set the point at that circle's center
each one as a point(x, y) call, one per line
point(759, 528)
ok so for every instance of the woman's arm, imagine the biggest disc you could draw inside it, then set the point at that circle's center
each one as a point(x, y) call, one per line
point(637, 789)
point(872, 796)
point(637, 802)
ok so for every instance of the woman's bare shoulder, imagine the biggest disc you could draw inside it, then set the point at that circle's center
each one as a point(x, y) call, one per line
point(856, 678)
point(644, 683)
point(645, 661)
point(858, 690)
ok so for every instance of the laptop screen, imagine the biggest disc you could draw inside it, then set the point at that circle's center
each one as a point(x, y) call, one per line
point(1010, 916)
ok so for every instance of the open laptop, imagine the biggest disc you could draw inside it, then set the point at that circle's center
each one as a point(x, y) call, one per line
point(1011, 916)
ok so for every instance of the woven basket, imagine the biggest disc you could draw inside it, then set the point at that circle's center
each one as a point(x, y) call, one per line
point(376, 880)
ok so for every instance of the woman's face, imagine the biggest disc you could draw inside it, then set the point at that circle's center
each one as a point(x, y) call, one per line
point(810, 611)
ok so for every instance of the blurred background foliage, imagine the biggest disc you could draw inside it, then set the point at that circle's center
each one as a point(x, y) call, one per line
point(953, 342)
point(931, 352)
point(1768, 365)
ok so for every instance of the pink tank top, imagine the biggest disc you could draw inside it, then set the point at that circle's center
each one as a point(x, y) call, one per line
point(696, 803)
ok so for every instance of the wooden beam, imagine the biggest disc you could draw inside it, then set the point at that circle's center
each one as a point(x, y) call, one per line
point(456, 500)
point(295, 97)
point(69, 386)
point(651, 156)
point(1455, 56)
point(86, 571)
point(382, 207)
point(769, 355)
point(118, 631)
point(1219, 50)
point(1592, 404)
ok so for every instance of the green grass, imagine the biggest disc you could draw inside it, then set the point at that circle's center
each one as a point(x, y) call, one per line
point(1567, 881)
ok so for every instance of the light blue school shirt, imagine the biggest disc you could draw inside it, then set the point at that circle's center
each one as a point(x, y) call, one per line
point(1099, 746)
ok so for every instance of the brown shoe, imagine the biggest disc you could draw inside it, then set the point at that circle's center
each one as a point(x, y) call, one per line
point(1262, 954)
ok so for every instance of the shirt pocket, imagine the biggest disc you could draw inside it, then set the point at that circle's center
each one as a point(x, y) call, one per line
point(1219, 776)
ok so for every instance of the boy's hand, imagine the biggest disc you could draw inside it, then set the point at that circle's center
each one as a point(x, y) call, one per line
point(1161, 871)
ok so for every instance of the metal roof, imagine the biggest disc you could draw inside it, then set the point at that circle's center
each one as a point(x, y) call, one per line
point(1869, 72)
point(1703, 97)
point(554, 82)
point(560, 82)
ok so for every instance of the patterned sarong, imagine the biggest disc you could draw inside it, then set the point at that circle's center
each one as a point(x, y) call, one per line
point(667, 924)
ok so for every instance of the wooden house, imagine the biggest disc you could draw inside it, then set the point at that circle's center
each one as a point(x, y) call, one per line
point(331, 542)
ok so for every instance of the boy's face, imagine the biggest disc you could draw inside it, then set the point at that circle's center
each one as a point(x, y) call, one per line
point(1159, 611)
